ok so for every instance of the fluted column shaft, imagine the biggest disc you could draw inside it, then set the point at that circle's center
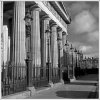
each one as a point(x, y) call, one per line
point(5, 43)
point(44, 48)
point(19, 54)
point(64, 40)
point(1, 27)
point(54, 45)
point(64, 49)
point(35, 38)
point(61, 52)
point(61, 46)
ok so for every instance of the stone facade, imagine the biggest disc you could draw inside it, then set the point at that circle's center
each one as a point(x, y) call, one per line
point(33, 52)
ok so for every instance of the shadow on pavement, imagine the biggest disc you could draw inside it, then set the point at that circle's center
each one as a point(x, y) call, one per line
point(89, 77)
point(76, 94)
point(93, 95)
point(80, 83)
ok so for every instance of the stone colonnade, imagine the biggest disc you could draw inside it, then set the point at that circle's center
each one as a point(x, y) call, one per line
point(64, 48)
point(1, 30)
point(60, 35)
point(39, 45)
point(19, 53)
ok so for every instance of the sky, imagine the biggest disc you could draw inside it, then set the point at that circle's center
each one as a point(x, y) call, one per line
point(84, 28)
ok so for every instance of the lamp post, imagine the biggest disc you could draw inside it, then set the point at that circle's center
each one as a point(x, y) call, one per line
point(72, 60)
point(92, 62)
point(85, 66)
point(47, 31)
point(78, 57)
point(28, 60)
point(80, 62)
point(76, 63)
point(66, 44)
point(59, 59)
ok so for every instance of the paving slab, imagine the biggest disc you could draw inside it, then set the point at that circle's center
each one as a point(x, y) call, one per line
point(78, 89)
point(66, 91)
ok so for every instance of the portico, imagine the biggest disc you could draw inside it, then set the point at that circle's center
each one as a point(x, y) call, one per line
point(37, 46)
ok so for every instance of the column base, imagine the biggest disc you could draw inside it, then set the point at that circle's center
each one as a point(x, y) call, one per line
point(32, 90)
point(73, 79)
point(51, 84)
point(62, 81)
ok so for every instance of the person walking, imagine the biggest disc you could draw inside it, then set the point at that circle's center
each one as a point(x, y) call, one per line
point(65, 76)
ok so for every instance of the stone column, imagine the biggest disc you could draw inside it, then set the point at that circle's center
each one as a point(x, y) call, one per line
point(19, 53)
point(54, 45)
point(65, 53)
point(5, 42)
point(8, 50)
point(11, 38)
point(61, 46)
point(1, 32)
point(64, 48)
point(64, 40)
point(44, 48)
point(35, 39)
point(61, 52)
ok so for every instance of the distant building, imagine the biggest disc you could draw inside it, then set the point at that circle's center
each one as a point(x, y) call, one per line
point(90, 63)
point(95, 62)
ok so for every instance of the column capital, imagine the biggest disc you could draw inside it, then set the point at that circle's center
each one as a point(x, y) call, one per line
point(63, 33)
point(46, 17)
point(59, 29)
point(35, 8)
point(53, 25)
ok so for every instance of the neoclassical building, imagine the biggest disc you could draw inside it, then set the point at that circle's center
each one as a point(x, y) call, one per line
point(33, 38)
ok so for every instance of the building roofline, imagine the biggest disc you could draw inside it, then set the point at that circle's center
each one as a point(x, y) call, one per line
point(61, 8)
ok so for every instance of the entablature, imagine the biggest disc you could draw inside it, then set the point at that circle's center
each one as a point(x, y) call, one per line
point(53, 14)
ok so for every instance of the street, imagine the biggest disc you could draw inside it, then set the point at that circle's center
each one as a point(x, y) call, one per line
point(82, 88)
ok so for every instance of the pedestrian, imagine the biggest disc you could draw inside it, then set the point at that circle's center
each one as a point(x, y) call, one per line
point(65, 77)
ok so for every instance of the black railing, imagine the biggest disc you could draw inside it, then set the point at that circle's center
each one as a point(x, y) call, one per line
point(13, 79)
point(39, 76)
point(55, 75)
point(70, 71)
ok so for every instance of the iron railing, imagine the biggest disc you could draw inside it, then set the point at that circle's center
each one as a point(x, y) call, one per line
point(70, 71)
point(40, 76)
point(55, 75)
point(13, 79)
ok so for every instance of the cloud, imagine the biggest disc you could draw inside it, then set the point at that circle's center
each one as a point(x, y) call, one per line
point(93, 36)
point(91, 54)
point(77, 7)
point(76, 44)
point(84, 27)
point(95, 11)
point(85, 48)
point(83, 22)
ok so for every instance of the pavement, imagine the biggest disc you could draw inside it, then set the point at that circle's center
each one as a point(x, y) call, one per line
point(82, 88)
